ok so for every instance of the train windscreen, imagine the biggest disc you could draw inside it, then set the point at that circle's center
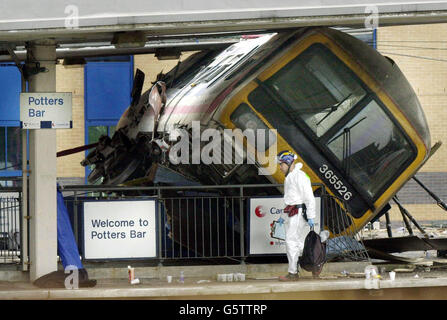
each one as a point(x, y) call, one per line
point(370, 148)
point(321, 96)
point(318, 88)
point(245, 119)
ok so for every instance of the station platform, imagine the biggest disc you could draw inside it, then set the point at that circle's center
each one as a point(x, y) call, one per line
point(339, 280)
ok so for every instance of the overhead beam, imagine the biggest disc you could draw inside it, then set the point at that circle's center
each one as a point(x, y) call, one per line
point(104, 49)
point(210, 19)
point(48, 14)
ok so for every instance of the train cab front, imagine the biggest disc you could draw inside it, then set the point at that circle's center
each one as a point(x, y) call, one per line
point(347, 111)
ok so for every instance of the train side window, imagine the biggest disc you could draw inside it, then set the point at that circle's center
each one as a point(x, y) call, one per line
point(190, 68)
point(218, 70)
point(245, 119)
point(371, 147)
point(187, 77)
point(316, 87)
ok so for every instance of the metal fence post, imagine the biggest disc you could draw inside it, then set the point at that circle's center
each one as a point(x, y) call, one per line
point(242, 223)
point(21, 229)
point(75, 218)
point(24, 228)
point(160, 229)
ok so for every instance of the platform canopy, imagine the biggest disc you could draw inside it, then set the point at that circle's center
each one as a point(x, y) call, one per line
point(84, 24)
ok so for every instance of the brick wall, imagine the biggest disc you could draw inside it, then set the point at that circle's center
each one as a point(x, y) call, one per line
point(420, 212)
point(420, 51)
point(151, 66)
point(427, 77)
point(71, 80)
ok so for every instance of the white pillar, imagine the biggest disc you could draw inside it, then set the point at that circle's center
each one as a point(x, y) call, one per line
point(42, 186)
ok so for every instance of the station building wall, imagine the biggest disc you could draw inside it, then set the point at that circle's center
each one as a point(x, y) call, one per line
point(420, 51)
point(71, 80)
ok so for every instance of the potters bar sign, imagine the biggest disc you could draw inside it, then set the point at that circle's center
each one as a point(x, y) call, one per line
point(120, 229)
point(39, 110)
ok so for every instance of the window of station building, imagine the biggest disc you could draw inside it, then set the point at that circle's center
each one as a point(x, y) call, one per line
point(367, 35)
point(10, 155)
point(95, 132)
point(10, 149)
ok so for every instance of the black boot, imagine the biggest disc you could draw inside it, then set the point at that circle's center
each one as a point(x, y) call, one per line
point(84, 281)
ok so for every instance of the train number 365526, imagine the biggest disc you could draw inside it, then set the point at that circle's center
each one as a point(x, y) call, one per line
point(335, 181)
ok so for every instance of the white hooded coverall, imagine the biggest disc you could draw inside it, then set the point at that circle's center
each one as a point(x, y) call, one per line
point(297, 190)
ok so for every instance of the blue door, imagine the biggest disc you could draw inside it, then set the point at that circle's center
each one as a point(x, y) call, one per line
point(108, 84)
point(10, 132)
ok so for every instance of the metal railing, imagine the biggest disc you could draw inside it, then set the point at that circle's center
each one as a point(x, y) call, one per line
point(194, 222)
point(202, 226)
point(345, 242)
point(10, 225)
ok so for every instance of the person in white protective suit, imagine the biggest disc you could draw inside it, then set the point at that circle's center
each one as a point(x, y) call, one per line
point(297, 193)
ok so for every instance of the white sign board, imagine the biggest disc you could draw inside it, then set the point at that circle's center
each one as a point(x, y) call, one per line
point(263, 211)
point(39, 110)
point(120, 229)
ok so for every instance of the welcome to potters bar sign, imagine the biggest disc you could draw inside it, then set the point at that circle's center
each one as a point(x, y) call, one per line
point(120, 229)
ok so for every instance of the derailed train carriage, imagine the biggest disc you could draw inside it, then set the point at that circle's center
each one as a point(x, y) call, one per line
point(347, 111)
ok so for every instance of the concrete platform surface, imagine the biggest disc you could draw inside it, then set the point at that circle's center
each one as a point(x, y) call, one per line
point(337, 281)
point(191, 289)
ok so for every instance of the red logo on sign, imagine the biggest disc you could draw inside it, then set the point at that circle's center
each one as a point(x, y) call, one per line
point(260, 211)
